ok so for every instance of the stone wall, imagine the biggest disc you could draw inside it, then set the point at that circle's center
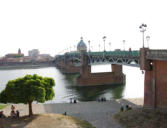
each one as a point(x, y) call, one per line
point(107, 78)
point(155, 93)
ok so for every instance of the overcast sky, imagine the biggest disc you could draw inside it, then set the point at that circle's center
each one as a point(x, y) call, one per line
point(54, 25)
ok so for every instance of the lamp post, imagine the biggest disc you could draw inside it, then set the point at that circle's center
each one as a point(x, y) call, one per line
point(99, 47)
point(89, 45)
point(143, 29)
point(123, 45)
point(104, 39)
point(74, 48)
point(148, 39)
point(70, 48)
point(92, 48)
point(110, 45)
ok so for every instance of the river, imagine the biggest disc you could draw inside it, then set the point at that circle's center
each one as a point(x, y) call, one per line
point(66, 87)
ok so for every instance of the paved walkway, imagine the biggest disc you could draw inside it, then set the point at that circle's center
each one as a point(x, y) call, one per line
point(99, 114)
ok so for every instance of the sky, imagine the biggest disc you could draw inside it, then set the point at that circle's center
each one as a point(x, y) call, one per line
point(55, 25)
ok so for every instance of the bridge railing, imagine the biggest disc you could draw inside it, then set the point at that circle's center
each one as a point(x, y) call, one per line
point(116, 53)
point(156, 54)
point(115, 57)
point(106, 53)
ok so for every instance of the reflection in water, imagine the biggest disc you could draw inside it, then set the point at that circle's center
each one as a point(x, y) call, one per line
point(91, 93)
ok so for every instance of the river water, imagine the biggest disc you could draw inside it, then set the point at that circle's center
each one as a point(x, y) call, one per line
point(66, 87)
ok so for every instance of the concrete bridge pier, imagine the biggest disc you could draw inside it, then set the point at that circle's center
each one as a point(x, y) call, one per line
point(155, 83)
point(87, 78)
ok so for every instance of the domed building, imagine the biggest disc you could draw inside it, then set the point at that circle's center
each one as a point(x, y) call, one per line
point(81, 46)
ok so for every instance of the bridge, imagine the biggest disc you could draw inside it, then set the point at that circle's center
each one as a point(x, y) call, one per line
point(152, 62)
point(129, 58)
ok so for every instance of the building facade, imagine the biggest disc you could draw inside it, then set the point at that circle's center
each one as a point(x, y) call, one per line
point(34, 53)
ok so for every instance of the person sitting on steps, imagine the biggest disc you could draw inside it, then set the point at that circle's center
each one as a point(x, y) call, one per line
point(2, 115)
point(17, 114)
point(75, 101)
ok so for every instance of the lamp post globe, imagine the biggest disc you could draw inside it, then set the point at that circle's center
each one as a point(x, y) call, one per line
point(89, 44)
point(110, 45)
point(123, 45)
point(104, 39)
point(148, 39)
point(99, 47)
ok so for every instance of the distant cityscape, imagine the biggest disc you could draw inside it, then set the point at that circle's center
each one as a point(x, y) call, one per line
point(34, 56)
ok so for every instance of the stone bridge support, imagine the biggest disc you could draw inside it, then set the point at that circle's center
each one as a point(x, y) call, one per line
point(155, 83)
point(67, 67)
point(116, 69)
point(87, 78)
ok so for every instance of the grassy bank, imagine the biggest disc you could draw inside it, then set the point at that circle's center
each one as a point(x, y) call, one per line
point(2, 106)
point(45, 121)
point(142, 118)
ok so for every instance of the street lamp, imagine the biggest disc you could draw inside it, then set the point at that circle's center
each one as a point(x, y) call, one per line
point(70, 48)
point(92, 48)
point(89, 45)
point(104, 39)
point(143, 29)
point(74, 48)
point(123, 44)
point(99, 47)
point(110, 45)
point(148, 39)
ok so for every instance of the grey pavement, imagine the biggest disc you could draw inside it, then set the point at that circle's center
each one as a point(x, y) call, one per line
point(99, 114)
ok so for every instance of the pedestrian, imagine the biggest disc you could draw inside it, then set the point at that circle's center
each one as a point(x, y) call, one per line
point(12, 113)
point(2, 115)
point(75, 101)
point(17, 114)
point(65, 113)
point(12, 108)
point(121, 108)
point(127, 107)
point(70, 100)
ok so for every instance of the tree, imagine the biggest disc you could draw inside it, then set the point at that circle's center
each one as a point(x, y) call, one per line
point(28, 89)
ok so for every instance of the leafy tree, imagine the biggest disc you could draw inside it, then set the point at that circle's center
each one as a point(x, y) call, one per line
point(28, 89)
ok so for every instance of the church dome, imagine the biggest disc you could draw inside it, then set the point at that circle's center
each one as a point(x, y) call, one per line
point(81, 46)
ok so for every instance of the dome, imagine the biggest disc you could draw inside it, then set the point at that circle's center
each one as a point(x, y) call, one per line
point(81, 46)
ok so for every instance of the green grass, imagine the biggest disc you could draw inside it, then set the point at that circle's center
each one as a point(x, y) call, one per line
point(2, 106)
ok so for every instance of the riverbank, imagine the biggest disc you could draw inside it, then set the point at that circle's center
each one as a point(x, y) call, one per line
point(10, 67)
point(99, 114)
point(142, 118)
